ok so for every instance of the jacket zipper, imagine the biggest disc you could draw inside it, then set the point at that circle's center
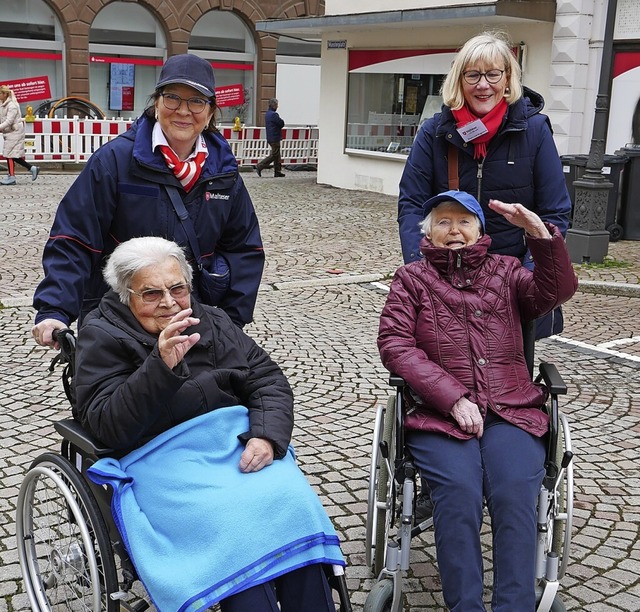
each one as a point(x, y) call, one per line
point(479, 177)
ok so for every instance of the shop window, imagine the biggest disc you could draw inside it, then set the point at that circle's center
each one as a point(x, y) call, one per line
point(390, 94)
point(127, 49)
point(223, 38)
point(31, 45)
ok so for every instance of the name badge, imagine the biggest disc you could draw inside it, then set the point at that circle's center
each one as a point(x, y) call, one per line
point(472, 130)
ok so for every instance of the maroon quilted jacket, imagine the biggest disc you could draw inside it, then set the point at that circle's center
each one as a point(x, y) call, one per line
point(451, 327)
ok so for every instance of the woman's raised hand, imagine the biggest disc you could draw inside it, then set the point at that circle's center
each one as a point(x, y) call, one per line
point(173, 343)
point(522, 217)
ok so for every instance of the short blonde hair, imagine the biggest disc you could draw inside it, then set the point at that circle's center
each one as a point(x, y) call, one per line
point(486, 49)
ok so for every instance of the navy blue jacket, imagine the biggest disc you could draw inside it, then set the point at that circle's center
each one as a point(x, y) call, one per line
point(522, 165)
point(274, 125)
point(120, 195)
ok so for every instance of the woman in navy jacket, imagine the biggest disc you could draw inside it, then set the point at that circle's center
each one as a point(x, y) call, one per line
point(121, 193)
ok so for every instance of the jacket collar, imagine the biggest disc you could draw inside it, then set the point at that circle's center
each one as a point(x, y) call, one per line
point(516, 117)
point(220, 160)
point(455, 262)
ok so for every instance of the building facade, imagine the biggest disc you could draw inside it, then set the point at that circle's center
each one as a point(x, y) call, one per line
point(382, 66)
point(110, 51)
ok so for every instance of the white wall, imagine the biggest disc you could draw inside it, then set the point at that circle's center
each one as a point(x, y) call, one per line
point(298, 93)
point(347, 7)
point(382, 174)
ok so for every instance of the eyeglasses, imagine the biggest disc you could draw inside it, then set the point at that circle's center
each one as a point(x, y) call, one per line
point(173, 101)
point(473, 76)
point(152, 296)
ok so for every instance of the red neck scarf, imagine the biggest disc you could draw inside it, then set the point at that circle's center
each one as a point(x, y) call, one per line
point(187, 172)
point(492, 121)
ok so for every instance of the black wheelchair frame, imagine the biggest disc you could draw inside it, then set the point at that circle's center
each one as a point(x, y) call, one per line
point(67, 539)
point(392, 498)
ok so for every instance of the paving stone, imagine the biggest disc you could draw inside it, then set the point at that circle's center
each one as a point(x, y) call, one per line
point(323, 333)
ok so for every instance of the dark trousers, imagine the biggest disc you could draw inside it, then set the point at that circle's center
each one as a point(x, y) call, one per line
point(302, 590)
point(505, 467)
point(274, 158)
point(12, 161)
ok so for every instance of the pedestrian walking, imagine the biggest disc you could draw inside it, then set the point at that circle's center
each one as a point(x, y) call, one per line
point(274, 124)
point(12, 129)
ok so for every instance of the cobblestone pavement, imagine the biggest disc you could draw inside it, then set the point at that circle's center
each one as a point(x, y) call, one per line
point(317, 315)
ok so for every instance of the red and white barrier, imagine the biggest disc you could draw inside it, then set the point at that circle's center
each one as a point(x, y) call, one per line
point(74, 140)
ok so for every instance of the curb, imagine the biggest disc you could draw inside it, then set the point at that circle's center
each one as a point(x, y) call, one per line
point(609, 288)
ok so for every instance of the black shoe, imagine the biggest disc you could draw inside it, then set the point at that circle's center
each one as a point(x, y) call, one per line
point(424, 509)
point(278, 174)
point(258, 171)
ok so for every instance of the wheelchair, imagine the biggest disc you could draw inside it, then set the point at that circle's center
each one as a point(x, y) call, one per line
point(391, 527)
point(71, 554)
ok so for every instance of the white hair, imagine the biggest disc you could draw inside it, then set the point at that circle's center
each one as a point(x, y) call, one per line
point(133, 255)
point(425, 225)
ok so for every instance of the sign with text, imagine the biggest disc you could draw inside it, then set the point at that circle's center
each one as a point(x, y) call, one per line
point(229, 95)
point(27, 90)
point(122, 86)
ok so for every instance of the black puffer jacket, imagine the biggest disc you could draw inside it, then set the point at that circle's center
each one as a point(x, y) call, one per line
point(126, 394)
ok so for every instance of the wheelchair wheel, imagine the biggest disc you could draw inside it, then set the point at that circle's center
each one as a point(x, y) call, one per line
point(379, 510)
point(63, 545)
point(556, 606)
point(563, 516)
point(380, 597)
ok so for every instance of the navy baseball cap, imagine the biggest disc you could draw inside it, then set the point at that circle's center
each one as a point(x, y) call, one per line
point(189, 70)
point(461, 197)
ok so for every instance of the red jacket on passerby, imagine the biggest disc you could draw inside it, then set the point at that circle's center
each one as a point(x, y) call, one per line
point(451, 327)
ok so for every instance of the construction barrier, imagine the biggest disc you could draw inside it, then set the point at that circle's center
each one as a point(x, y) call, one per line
point(73, 140)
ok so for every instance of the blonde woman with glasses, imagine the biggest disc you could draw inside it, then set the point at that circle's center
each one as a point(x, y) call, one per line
point(490, 140)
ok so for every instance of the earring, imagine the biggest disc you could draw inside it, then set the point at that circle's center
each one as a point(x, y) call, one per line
point(507, 91)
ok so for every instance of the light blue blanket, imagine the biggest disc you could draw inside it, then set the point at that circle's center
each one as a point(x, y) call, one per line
point(197, 529)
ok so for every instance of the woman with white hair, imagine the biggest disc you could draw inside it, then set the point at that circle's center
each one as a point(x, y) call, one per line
point(154, 366)
point(12, 129)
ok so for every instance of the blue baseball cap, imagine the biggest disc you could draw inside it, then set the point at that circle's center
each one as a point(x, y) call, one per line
point(461, 197)
point(190, 70)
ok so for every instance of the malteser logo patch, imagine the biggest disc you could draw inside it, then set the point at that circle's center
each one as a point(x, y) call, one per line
point(216, 196)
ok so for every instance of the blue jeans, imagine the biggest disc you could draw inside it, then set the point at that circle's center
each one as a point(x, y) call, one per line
point(505, 467)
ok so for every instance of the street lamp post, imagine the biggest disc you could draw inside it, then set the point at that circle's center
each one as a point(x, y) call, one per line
point(588, 240)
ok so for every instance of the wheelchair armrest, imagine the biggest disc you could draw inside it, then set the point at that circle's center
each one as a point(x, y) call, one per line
point(396, 381)
point(72, 431)
point(552, 379)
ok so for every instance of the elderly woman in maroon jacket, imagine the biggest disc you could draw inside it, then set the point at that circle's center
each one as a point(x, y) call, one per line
point(451, 327)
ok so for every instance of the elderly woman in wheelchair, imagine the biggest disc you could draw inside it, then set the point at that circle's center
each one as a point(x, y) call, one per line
point(207, 496)
point(473, 424)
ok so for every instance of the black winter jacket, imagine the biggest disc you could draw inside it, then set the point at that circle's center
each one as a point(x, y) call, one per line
point(126, 394)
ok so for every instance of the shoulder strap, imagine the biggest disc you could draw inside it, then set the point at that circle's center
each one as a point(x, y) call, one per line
point(452, 161)
point(183, 215)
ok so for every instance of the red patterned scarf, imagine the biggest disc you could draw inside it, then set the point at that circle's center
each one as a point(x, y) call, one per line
point(188, 171)
point(492, 121)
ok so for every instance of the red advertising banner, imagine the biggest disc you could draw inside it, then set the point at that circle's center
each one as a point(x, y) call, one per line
point(34, 88)
point(229, 95)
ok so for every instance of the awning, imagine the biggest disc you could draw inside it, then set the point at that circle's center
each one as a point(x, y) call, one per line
point(498, 11)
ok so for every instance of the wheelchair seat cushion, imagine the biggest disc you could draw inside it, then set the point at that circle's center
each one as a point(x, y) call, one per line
point(197, 528)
